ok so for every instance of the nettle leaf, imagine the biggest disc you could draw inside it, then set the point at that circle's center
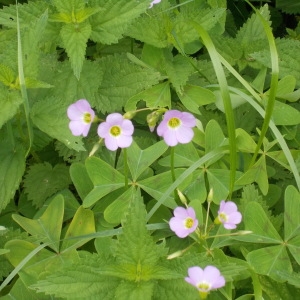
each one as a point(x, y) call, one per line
point(153, 30)
point(28, 12)
point(42, 181)
point(7, 75)
point(50, 116)
point(121, 80)
point(178, 70)
point(12, 168)
point(111, 22)
point(288, 62)
point(71, 89)
point(80, 280)
point(69, 6)
point(48, 226)
point(75, 37)
point(10, 100)
point(288, 6)
point(132, 291)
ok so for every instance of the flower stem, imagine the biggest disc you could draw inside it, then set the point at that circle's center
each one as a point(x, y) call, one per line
point(172, 154)
point(207, 215)
point(125, 167)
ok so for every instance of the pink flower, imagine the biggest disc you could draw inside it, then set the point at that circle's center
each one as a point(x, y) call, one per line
point(184, 221)
point(205, 280)
point(176, 127)
point(81, 117)
point(228, 215)
point(116, 131)
point(154, 2)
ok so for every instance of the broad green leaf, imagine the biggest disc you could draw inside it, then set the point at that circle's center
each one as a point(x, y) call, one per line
point(10, 100)
point(244, 141)
point(291, 212)
point(81, 180)
point(49, 115)
point(184, 156)
point(112, 21)
point(75, 37)
point(132, 291)
point(285, 86)
point(43, 180)
point(235, 99)
point(139, 160)
point(121, 80)
point(12, 167)
point(48, 226)
point(294, 246)
point(284, 114)
point(288, 6)
point(270, 260)
point(82, 223)
point(257, 173)
point(256, 220)
point(105, 179)
point(214, 136)
point(194, 96)
point(114, 212)
point(156, 96)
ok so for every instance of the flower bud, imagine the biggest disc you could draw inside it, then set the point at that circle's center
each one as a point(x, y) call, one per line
point(181, 197)
point(129, 114)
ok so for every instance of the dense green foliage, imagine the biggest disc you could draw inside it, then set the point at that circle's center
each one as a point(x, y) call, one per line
point(78, 221)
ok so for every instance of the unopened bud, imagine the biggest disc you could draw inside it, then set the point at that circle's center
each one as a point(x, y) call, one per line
point(152, 120)
point(175, 254)
point(210, 195)
point(2, 228)
point(181, 197)
point(129, 115)
point(244, 232)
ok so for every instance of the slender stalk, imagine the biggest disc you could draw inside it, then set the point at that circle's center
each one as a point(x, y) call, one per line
point(207, 216)
point(172, 155)
point(125, 167)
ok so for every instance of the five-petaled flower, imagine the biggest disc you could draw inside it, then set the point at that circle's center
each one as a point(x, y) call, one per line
point(184, 221)
point(205, 280)
point(116, 131)
point(81, 117)
point(176, 127)
point(228, 215)
point(154, 2)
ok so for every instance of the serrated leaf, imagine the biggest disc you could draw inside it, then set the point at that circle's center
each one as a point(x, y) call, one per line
point(42, 181)
point(36, 84)
point(132, 291)
point(112, 21)
point(10, 100)
point(12, 167)
point(49, 115)
point(80, 281)
point(75, 37)
point(122, 80)
point(48, 226)
point(7, 75)
point(69, 6)
point(288, 6)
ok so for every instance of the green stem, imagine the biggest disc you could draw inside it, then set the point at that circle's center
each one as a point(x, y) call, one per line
point(207, 215)
point(172, 155)
point(125, 167)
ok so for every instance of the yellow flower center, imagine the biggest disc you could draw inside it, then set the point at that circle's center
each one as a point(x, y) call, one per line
point(189, 222)
point(115, 130)
point(174, 122)
point(87, 118)
point(204, 286)
point(223, 217)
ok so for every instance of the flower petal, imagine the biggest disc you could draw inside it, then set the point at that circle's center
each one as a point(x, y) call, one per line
point(184, 134)
point(170, 138)
point(111, 143)
point(114, 119)
point(124, 141)
point(127, 127)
